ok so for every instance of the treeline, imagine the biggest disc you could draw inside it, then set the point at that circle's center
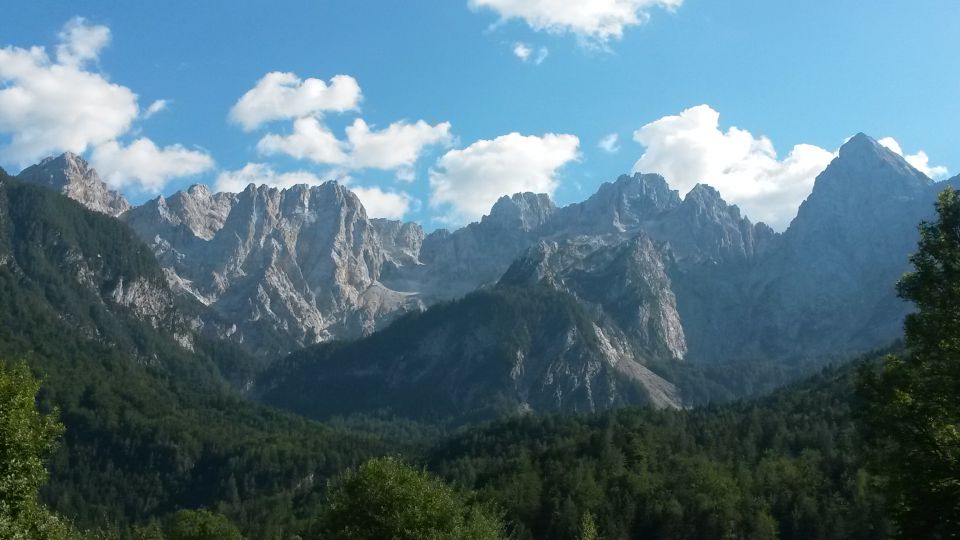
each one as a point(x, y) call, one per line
point(788, 466)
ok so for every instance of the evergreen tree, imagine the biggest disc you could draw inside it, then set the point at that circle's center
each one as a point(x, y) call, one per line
point(912, 410)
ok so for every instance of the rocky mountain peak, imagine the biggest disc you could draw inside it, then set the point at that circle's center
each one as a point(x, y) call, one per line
point(523, 211)
point(865, 164)
point(71, 175)
point(621, 206)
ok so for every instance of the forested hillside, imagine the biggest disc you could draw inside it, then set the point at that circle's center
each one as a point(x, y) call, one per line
point(786, 466)
point(151, 426)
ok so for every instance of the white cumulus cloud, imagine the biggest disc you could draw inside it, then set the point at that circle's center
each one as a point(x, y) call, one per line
point(920, 160)
point(261, 173)
point(594, 20)
point(81, 42)
point(690, 148)
point(383, 204)
point(310, 140)
point(51, 106)
point(609, 143)
point(399, 145)
point(376, 201)
point(469, 181)
point(396, 147)
point(145, 165)
point(283, 96)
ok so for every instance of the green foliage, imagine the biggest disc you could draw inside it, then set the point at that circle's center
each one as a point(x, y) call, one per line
point(588, 528)
point(386, 498)
point(785, 466)
point(911, 411)
point(201, 525)
point(151, 427)
point(26, 439)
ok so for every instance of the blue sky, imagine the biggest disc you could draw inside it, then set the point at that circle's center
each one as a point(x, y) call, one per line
point(797, 78)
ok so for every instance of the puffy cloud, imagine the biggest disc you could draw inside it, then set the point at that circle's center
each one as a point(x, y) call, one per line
point(397, 146)
point(310, 140)
point(470, 180)
point(49, 107)
point(146, 166)
point(691, 148)
point(155, 107)
point(919, 161)
point(384, 204)
point(527, 54)
point(81, 42)
point(279, 96)
point(261, 173)
point(609, 143)
point(594, 20)
point(377, 202)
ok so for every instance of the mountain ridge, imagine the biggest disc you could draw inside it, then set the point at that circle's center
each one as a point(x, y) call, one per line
point(277, 280)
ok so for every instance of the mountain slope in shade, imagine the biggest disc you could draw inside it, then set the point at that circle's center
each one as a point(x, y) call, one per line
point(494, 352)
point(151, 424)
point(828, 288)
point(70, 175)
point(625, 286)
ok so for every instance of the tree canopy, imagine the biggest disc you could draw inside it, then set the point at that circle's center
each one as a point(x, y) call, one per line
point(911, 409)
point(386, 498)
point(26, 440)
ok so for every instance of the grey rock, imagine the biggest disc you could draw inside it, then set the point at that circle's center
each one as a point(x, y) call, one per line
point(71, 175)
point(280, 269)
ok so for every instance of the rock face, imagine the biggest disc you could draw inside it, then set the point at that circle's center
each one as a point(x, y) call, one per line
point(675, 277)
point(624, 286)
point(71, 175)
point(504, 350)
point(828, 288)
point(280, 269)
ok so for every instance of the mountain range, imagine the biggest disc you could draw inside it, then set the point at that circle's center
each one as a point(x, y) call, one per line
point(534, 307)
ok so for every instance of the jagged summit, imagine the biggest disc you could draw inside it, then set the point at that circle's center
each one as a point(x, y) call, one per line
point(525, 211)
point(858, 184)
point(71, 175)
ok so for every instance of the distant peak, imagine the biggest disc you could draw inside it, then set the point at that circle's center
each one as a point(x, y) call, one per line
point(198, 190)
point(71, 175)
point(523, 210)
point(863, 158)
point(704, 191)
point(861, 144)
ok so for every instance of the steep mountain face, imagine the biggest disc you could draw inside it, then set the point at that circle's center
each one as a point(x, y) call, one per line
point(503, 350)
point(42, 235)
point(829, 285)
point(455, 263)
point(281, 268)
point(151, 424)
point(624, 287)
point(71, 175)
